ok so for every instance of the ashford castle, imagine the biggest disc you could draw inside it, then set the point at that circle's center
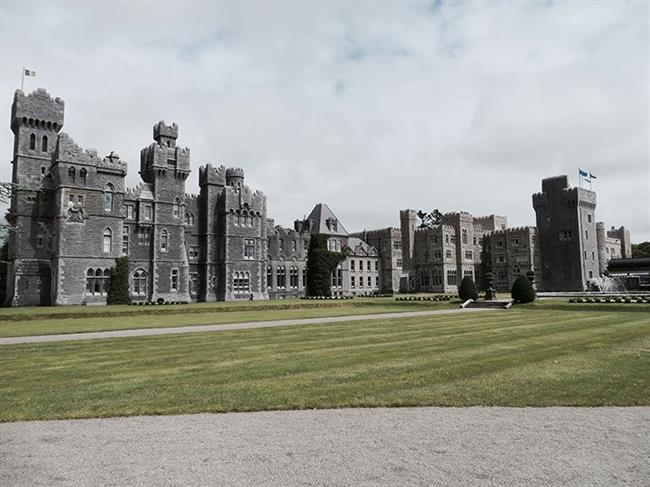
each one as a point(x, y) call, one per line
point(71, 217)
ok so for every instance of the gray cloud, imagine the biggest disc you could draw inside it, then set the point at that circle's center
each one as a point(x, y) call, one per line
point(371, 108)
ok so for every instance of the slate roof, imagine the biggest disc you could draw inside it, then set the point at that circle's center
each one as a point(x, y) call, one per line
point(319, 218)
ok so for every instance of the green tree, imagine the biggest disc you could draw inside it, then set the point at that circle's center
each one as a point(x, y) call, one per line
point(118, 286)
point(522, 290)
point(320, 265)
point(467, 289)
point(641, 250)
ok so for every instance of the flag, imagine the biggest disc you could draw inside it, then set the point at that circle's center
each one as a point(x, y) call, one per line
point(29, 72)
point(582, 173)
point(591, 176)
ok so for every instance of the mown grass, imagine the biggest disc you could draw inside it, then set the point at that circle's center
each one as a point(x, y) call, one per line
point(525, 357)
point(219, 314)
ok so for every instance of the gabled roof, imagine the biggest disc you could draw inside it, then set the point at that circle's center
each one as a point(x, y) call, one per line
point(359, 248)
point(324, 221)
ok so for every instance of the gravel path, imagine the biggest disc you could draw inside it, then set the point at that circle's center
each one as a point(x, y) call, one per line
point(229, 326)
point(409, 446)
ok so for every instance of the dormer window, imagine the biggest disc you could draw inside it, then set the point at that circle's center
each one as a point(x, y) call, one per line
point(332, 224)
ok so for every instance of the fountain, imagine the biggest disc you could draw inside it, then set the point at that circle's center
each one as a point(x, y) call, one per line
point(608, 285)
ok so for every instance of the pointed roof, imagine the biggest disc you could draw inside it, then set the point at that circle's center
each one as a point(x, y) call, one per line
point(324, 221)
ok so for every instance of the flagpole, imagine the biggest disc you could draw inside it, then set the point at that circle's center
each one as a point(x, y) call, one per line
point(22, 80)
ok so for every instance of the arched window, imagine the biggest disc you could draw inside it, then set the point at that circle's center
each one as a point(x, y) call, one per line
point(105, 281)
point(164, 240)
point(464, 236)
point(72, 173)
point(108, 197)
point(90, 279)
point(139, 281)
point(32, 142)
point(82, 175)
point(189, 219)
point(269, 277)
point(241, 282)
point(98, 282)
point(44, 144)
point(108, 240)
point(281, 277)
point(177, 208)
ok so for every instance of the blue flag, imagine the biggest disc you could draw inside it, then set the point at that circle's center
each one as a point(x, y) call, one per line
point(582, 173)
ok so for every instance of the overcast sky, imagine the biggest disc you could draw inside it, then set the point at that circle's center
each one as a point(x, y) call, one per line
point(371, 108)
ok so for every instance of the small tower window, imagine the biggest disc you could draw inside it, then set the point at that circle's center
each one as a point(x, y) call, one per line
point(82, 176)
point(108, 240)
point(44, 145)
point(177, 207)
point(164, 240)
point(32, 142)
point(72, 173)
point(108, 197)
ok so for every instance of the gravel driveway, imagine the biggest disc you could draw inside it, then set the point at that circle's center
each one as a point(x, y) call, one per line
point(409, 446)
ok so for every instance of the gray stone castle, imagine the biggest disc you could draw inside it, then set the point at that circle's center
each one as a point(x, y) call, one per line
point(72, 217)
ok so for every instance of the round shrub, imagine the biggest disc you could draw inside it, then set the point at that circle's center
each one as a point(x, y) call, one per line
point(522, 290)
point(467, 289)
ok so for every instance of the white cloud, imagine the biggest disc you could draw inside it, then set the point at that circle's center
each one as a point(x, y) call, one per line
point(371, 108)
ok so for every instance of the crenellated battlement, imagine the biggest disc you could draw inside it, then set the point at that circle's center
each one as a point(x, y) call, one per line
point(161, 129)
point(209, 175)
point(69, 151)
point(113, 163)
point(37, 110)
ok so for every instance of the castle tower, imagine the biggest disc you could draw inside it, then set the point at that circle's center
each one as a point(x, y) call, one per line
point(35, 121)
point(601, 242)
point(408, 223)
point(567, 235)
point(166, 167)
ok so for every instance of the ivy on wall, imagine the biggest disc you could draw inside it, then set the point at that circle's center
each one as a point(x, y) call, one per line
point(320, 265)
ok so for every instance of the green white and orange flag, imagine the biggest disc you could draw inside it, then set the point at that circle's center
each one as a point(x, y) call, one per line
point(29, 72)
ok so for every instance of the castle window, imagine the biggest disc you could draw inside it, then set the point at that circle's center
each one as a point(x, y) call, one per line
point(98, 284)
point(369, 279)
point(108, 240)
point(280, 245)
point(249, 248)
point(174, 280)
point(469, 255)
point(130, 212)
point(194, 282)
point(139, 282)
point(281, 277)
point(82, 175)
point(194, 252)
point(368, 265)
point(144, 237)
point(589, 218)
point(352, 264)
point(474, 240)
point(72, 173)
point(294, 245)
point(448, 254)
point(586, 234)
point(397, 245)
point(43, 170)
point(464, 236)
point(189, 219)
point(352, 281)
point(125, 240)
point(177, 208)
point(147, 212)
point(44, 145)
point(293, 278)
point(164, 240)
point(451, 278)
point(90, 279)
point(105, 280)
point(398, 263)
point(304, 276)
point(97, 281)
point(269, 277)
point(565, 235)
point(108, 197)
point(242, 282)
point(32, 142)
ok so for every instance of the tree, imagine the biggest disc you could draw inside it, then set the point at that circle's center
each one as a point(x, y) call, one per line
point(522, 290)
point(118, 286)
point(641, 250)
point(429, 219)
point(320, 265)
point(467, 289)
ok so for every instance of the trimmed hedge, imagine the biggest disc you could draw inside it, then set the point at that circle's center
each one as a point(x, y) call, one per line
point(118, 285)
point(467, 289)
point(522, 290)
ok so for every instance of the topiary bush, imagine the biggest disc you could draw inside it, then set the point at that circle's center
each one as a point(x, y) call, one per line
point(467, 289)
point(522, 290)
point(320, 265)
point(118, 285)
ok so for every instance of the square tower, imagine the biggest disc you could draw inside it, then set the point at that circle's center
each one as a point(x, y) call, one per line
point(566, 224)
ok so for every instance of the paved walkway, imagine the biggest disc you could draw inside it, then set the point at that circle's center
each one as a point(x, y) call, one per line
point(408, 446)
point(140, 332)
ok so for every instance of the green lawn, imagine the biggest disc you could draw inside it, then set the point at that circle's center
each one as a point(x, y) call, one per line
point(126, 317)
point(535, 356)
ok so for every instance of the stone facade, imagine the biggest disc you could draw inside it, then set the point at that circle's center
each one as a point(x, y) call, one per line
point(72, 217)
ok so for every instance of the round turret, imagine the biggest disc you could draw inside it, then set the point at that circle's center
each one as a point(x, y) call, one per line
point(234, 177)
